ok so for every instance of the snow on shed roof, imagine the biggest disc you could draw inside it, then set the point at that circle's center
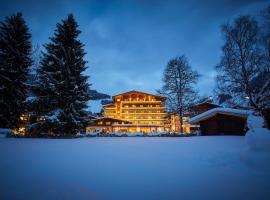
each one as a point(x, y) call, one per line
point(214, 111)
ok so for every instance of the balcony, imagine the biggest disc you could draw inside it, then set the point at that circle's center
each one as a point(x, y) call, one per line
point(130, 113)
point(139, 108)
point(140, 102)
point(132, 119)
point(109, 108)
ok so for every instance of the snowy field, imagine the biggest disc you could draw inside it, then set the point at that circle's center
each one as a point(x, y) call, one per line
point(130, 168)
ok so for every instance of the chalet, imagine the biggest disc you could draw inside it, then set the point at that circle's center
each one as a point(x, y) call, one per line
point(222, 121)
point(133, 111)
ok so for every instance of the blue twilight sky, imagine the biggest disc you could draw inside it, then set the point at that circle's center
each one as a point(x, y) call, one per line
point(129, 42)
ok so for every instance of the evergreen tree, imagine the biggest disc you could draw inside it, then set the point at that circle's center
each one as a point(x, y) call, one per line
point(62, 91)
point(15, 60)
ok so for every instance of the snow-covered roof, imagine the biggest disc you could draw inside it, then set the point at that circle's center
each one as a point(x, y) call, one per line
point(93, 116)
point(214, 111)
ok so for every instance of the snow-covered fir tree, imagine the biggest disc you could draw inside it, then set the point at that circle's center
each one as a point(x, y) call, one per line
point(62, 90)
point(15, 60)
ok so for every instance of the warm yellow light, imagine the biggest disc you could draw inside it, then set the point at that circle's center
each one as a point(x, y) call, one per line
point(19, 131)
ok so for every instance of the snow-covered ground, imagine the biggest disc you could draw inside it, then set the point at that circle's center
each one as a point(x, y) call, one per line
point(130, 168)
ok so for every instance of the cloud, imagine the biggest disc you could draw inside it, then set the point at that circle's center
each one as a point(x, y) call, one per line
point(128, 43)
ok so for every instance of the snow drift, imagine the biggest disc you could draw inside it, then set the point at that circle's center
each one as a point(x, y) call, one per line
point(258, 143)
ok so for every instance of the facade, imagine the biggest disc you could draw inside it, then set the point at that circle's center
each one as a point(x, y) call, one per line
point(172, 124)
point(145, 112)
point(23, 123)
point(223, 125)
point(202, 107)
point(106, 125)
point(222, 121)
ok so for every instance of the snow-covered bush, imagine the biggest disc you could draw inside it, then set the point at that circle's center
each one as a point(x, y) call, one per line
point(135, 134)
point(91, 134)
point(5, 132)
point(138, 134)
point(120, 134)
point(153, 134)
point(164, 133)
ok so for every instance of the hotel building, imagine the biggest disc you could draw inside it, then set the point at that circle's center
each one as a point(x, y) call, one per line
point(135, 112)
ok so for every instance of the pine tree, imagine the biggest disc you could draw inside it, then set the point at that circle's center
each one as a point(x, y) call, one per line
point(62, 90)
point(15, 60)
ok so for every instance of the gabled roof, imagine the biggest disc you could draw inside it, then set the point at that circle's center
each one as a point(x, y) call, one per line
point(225, 111)
point(206, 102)
point(93, 117)
point(135, 91)
point(110, 104)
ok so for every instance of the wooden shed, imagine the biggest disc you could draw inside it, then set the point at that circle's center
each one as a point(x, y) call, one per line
point(222, 121)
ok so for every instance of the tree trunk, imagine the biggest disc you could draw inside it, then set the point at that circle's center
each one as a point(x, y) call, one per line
point(181, 121)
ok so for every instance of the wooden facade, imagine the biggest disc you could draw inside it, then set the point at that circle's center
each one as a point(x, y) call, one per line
point(201, 107)
point(221, 124)
point(222, 121)
point(146, 112)
point(105, 124)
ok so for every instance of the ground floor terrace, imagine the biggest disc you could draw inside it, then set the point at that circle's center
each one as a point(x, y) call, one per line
point(209, 167)
point(126, 128)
